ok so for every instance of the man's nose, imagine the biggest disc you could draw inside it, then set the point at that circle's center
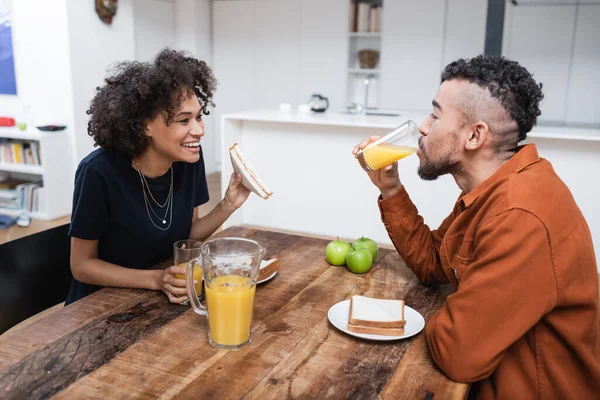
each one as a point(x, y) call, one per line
point(424, 127)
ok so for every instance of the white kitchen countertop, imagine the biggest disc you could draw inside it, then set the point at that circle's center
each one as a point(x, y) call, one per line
point(326, 118)
point(387, 122)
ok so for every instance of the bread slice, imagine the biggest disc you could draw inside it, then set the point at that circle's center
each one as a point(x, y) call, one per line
point(250, 178)
point(267, 268)
point(376, 313)
point(376, 331)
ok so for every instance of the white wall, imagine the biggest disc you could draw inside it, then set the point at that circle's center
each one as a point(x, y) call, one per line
point(154, 23)
point(585, 68)
point(42, 67)
point(233, 60)
point(193, 33)
point(95, 47)
point(411, 53)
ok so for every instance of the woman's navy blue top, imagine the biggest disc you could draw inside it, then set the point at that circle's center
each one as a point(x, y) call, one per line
point(109, 206)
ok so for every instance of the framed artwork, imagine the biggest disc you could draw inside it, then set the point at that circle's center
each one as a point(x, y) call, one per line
point(8, 83)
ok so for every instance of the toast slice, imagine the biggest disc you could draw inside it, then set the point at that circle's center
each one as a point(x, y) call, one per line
point(250, 178)
point(376, 331)
point(369, 312)
point(267, 268)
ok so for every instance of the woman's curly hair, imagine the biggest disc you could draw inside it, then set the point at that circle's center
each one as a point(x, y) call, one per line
point(137, 92)
point(506, 81)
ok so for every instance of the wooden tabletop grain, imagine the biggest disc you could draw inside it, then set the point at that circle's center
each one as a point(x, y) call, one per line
point(122, 343)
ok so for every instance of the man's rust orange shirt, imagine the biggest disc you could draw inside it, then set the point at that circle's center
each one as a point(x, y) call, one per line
point(524, 319)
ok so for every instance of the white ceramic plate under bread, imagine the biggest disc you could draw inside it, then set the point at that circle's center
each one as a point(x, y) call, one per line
point(339, 313)
point(268, 278)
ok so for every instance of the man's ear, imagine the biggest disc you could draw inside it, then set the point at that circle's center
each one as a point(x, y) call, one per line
point(478, 134)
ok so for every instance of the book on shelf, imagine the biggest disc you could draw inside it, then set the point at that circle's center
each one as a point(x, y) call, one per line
point(375, 19)
point(17, 194)
point(365, 17)
point(20, 152)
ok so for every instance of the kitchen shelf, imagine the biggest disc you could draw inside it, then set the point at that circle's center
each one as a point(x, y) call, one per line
point(22, 168)
point(363, 71)
point(365, 34)
point(15, 133)
point(15, 213)
point(55, 171)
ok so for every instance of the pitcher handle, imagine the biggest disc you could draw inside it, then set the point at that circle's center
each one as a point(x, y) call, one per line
point(191, 289)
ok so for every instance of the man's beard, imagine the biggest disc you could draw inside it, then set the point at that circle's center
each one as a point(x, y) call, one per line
point(431, 170)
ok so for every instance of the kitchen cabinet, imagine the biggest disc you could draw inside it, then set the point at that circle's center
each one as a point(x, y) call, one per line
point(411, 52)
point(464, 30)
point(544, 48)
point(268, 52)
point(583, 103)
point(233, 60)
point(323, 51)
point(277, 54)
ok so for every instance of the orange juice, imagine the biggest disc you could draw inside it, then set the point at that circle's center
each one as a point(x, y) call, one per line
point(230, 309)
point(383, 154)
point(197, 276)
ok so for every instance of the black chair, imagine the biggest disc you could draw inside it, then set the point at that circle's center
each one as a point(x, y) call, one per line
point(35, 274)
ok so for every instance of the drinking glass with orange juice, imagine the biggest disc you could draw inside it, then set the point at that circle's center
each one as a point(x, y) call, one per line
point(401, 142)
point(230, 268)
point(185, 251)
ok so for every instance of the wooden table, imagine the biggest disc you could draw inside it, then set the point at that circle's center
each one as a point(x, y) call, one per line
point(121, 343)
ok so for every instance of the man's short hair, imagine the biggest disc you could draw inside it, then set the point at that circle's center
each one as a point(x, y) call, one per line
point(507, 81)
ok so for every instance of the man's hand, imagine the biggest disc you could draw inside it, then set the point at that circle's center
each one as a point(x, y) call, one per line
point(387, 178)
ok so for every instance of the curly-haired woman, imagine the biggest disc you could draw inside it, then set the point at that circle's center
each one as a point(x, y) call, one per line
point(137, 194)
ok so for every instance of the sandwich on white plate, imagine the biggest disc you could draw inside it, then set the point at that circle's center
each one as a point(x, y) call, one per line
point(268, 268)
point(250, 178)
point(376, 316)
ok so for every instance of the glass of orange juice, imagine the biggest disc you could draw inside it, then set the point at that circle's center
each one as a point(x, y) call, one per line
point(230, 268)
point(401, 142)
point(185, 251)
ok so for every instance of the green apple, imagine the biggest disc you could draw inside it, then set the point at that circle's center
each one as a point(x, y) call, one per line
point(22, 126)
point(359, 260)
point(366, 243)
point(336, 252)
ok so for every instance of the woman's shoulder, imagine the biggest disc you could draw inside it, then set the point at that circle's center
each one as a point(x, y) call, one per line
point(101, 160)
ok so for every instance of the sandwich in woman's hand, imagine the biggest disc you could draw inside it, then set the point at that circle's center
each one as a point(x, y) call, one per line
point(250, 178)
point(376, 316)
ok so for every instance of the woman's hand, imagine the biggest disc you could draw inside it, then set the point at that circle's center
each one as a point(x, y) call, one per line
point(236, 193)
point(387, 178)
point(173, 287)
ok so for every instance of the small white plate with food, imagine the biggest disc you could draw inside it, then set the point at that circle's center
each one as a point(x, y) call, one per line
point(268, 269)
point(376, 319)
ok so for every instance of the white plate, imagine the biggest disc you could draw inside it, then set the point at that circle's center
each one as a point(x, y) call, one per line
point(339, 313)
point(267, 278)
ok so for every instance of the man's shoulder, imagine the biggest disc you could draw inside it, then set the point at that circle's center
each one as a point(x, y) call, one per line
point(536, 186)
point(540, 191)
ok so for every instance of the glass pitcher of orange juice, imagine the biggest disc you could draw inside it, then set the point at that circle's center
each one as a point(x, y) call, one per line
point(401, 142)
point(230, 268)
